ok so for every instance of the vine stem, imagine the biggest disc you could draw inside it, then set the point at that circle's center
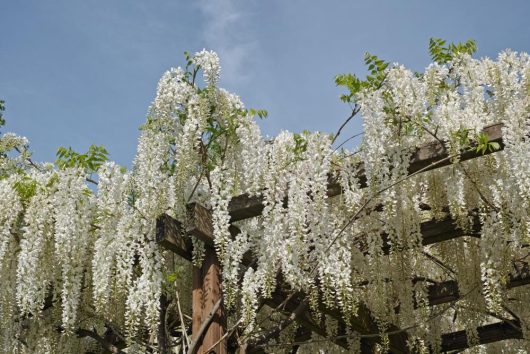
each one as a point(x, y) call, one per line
point(226, 335)
point(370, 335)
point(354, 112)
point(182, 325)
point(204, 326)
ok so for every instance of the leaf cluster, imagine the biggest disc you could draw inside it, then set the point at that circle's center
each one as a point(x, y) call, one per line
point(480, 142)
point(90, 161)
point(261, 113)
point(2, 109)
point(485, 145)
point(190, 71)
point(26, 188)
point(442, 53)
point(374, 80)
point(300, 143)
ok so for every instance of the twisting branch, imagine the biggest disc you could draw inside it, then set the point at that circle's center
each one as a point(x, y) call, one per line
point(354, 111)
point(228, 334)
point(185, 338)
point(345, 141)
point(162, 329)
point(204, 327)
point(274, 332)
point(104, 343)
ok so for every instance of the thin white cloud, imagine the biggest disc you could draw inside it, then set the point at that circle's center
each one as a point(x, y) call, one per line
point(227, 31)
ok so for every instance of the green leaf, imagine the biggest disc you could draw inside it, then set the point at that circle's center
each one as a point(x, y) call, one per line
point(26, 188)
point(91, 161)
point(494, 146)
point(442, 54)
point(2, 109)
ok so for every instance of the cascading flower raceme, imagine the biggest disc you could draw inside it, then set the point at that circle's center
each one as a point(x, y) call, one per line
point(73, 257)
point(35, 261)
point(73, 213)
point(12, 207)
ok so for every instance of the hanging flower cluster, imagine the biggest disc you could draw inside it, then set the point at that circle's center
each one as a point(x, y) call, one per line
point(71, 257)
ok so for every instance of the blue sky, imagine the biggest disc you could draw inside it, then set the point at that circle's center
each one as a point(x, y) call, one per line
point(75, 73)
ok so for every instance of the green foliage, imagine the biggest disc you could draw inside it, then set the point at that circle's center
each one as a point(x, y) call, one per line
point(26, 188)
point(482, 141)
point(377, 68)
point(462, 137)
point(374, 80)
point(2, 109)
point(132, 198)
point(171, 277)
point(300, 143)
point(261, 113)
point(352, 83)
point(485, 145)
point(188, 75)
point(90, 161)
point(442, 54)
point(300, 146)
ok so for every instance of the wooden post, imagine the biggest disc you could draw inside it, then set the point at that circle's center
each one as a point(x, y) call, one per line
point(196, 304)
point(206, 293)
point(211, 294)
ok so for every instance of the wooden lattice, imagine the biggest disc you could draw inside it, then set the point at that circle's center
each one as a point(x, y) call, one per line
point(206, 281)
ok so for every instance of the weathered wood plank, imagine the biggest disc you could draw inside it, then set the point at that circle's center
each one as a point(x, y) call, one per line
point(211, 294)
point(426, 157)
point(248, 206)
point(432, 231)
point(201, 228)
point(278, 298)
point(436, 231)
point(490, 333)
point(447, 291)
point(170, 235)
point(196, 306)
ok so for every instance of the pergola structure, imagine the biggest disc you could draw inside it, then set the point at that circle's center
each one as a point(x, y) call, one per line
point(209, 318)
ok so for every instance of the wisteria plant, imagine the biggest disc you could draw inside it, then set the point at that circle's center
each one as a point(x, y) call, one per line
point(79, 260)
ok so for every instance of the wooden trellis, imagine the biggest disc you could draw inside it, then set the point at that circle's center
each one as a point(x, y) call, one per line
point(209, 318)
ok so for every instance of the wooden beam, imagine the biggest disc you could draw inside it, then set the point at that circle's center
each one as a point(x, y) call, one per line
point(170, 234)
point(432, 231)
point(447, 291)
point(201, 227)
point(436, 231)
point(278, 298)
point(490, 333)
point(454, 341)
point(427, 156)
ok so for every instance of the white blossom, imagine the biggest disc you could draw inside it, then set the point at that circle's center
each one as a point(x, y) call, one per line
point(209, 62)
